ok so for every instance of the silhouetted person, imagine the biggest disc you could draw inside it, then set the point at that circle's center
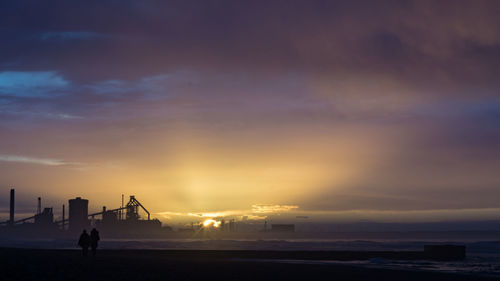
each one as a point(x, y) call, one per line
point(94, 239)
point(84, 242)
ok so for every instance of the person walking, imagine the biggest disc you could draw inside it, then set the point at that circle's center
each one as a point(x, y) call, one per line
point(84, 242)
point(94, 239)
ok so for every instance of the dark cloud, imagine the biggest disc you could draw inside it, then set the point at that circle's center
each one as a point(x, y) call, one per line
point(411, 41)
point(416, 82)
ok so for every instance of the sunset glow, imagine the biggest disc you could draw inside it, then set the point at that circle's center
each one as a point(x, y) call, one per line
point(250, 140)
point(211, 223)
point(254, 111)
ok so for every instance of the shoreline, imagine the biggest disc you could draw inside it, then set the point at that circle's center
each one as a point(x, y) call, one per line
point(278, 254)
point(42, 264)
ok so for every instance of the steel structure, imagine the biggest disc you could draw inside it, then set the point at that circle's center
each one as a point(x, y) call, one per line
point(131, 208)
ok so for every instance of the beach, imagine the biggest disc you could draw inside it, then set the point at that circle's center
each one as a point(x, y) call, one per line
point(47, 264)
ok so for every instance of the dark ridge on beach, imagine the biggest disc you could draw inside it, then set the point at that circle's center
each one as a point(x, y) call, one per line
point(36, 264)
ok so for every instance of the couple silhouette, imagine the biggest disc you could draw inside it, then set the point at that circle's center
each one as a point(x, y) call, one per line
point(87, 241)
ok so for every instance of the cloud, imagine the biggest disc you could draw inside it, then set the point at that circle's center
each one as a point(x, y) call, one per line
point(220, 214)
point(413, 41)
point(336, 216)
point(326, 104)
point(32, 160)
point(62, 36)
point(46, 115)
point(265, 209)
point(33, 84)
point(258, 212)
point(155, 86)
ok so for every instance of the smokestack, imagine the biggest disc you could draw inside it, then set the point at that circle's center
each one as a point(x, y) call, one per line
point(63, 217)
point(121, 210)
point(39, 211)
point(12, 201)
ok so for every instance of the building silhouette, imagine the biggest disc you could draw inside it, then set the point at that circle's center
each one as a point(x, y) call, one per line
point(78, 214)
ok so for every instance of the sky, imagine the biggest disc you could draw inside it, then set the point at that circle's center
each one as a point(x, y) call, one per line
point(315, 110)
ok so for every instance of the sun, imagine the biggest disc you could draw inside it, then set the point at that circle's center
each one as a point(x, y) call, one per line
point(211, 223)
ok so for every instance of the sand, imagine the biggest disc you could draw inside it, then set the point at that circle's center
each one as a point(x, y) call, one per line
point(34, 264)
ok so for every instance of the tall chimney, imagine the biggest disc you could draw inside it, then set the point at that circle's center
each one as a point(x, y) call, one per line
point(39, 211)
point(63, 217)
point(12, 201)
point(121, 210)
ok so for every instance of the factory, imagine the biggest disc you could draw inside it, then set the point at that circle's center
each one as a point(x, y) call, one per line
point(125, 221)
point(130, 220)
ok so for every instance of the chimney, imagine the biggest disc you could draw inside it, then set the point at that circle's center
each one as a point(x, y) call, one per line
point(12, 201)
point(63, 216)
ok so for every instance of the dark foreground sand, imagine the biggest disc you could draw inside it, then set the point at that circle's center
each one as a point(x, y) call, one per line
point(28, 264)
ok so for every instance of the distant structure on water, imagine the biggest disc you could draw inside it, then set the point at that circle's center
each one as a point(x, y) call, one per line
point(282, 228)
